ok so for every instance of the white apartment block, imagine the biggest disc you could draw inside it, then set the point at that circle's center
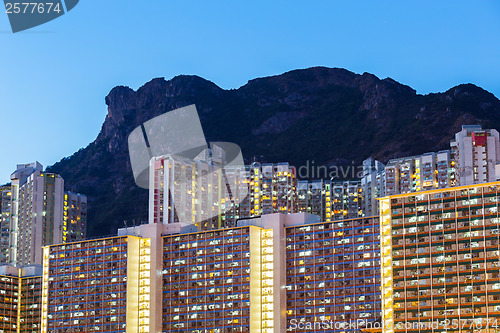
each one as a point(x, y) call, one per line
point(372, 185)
point(37, 213)
point(203, 193)
point(474, 158)
point(184, 190)
point(476, 154)
point(429, 171)
point(41, 214)
point(5, 214)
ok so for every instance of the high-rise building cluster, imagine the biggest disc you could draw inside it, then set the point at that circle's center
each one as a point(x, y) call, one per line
point(474, 158)
point(266, 274)
point(413, 246)
point(35, 211)
point(331, 200)
point(429, 262)
point(195, 191)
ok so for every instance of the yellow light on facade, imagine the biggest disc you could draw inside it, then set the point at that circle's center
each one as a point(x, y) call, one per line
point(144, 283)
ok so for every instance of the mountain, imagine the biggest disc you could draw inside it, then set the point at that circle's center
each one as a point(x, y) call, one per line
point(327, 115)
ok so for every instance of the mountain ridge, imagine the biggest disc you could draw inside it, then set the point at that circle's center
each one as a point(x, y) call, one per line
point(328, 115)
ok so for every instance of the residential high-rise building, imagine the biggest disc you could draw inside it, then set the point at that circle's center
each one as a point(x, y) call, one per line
point(419, 173)
point(30, 302)
point(75, 217)
point(18, 215)
point(232, 280)
point(440, 260)
point(5, 214)
point(203, 193)
point(271, 189)
point(333, 275)
point(476, 153)
point(92, 286)
point(405, 175)
point(240, 206)
point(38, 214)
point(267, 274)
point(9, 288)
point(109, 284)
point(313, 198)
point(186, 191)
point(347, 200)
point(21, 299)
point(331, 200)
point(212, 280)
point(373, 185)
point(474, 158)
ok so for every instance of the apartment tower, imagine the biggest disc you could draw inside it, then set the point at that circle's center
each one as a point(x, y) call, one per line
point(75, 217)
point(476, 153)
point(440, 254)
point(202, 193)
point(41, 213)
point(5, 223)
point(21, 291)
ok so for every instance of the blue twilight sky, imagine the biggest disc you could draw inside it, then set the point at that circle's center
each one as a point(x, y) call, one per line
point(53, 78)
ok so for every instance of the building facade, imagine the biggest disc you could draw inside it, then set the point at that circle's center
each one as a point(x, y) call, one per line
point(440, 254)
point(419, 173)
point(347, 200)
point(330, 200)
point(406, 175)
point(30, 303)
point(476, 153)
point(272, 189)
point(473, 158)
point(20, 290)
point(92, 286)
point(313, 197)
point(18, 216)
point(38, 208)
point(272, 273)
point(75, 217)
point(9, 307)
point(333, 275)
point(227, 280)
point(208, 279)
point(202, 193)
point(5, 223)
point(372, 185)
point(190, 191)
point(41, 213)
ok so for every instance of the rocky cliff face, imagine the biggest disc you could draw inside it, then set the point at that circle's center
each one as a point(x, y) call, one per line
point(325, 115)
